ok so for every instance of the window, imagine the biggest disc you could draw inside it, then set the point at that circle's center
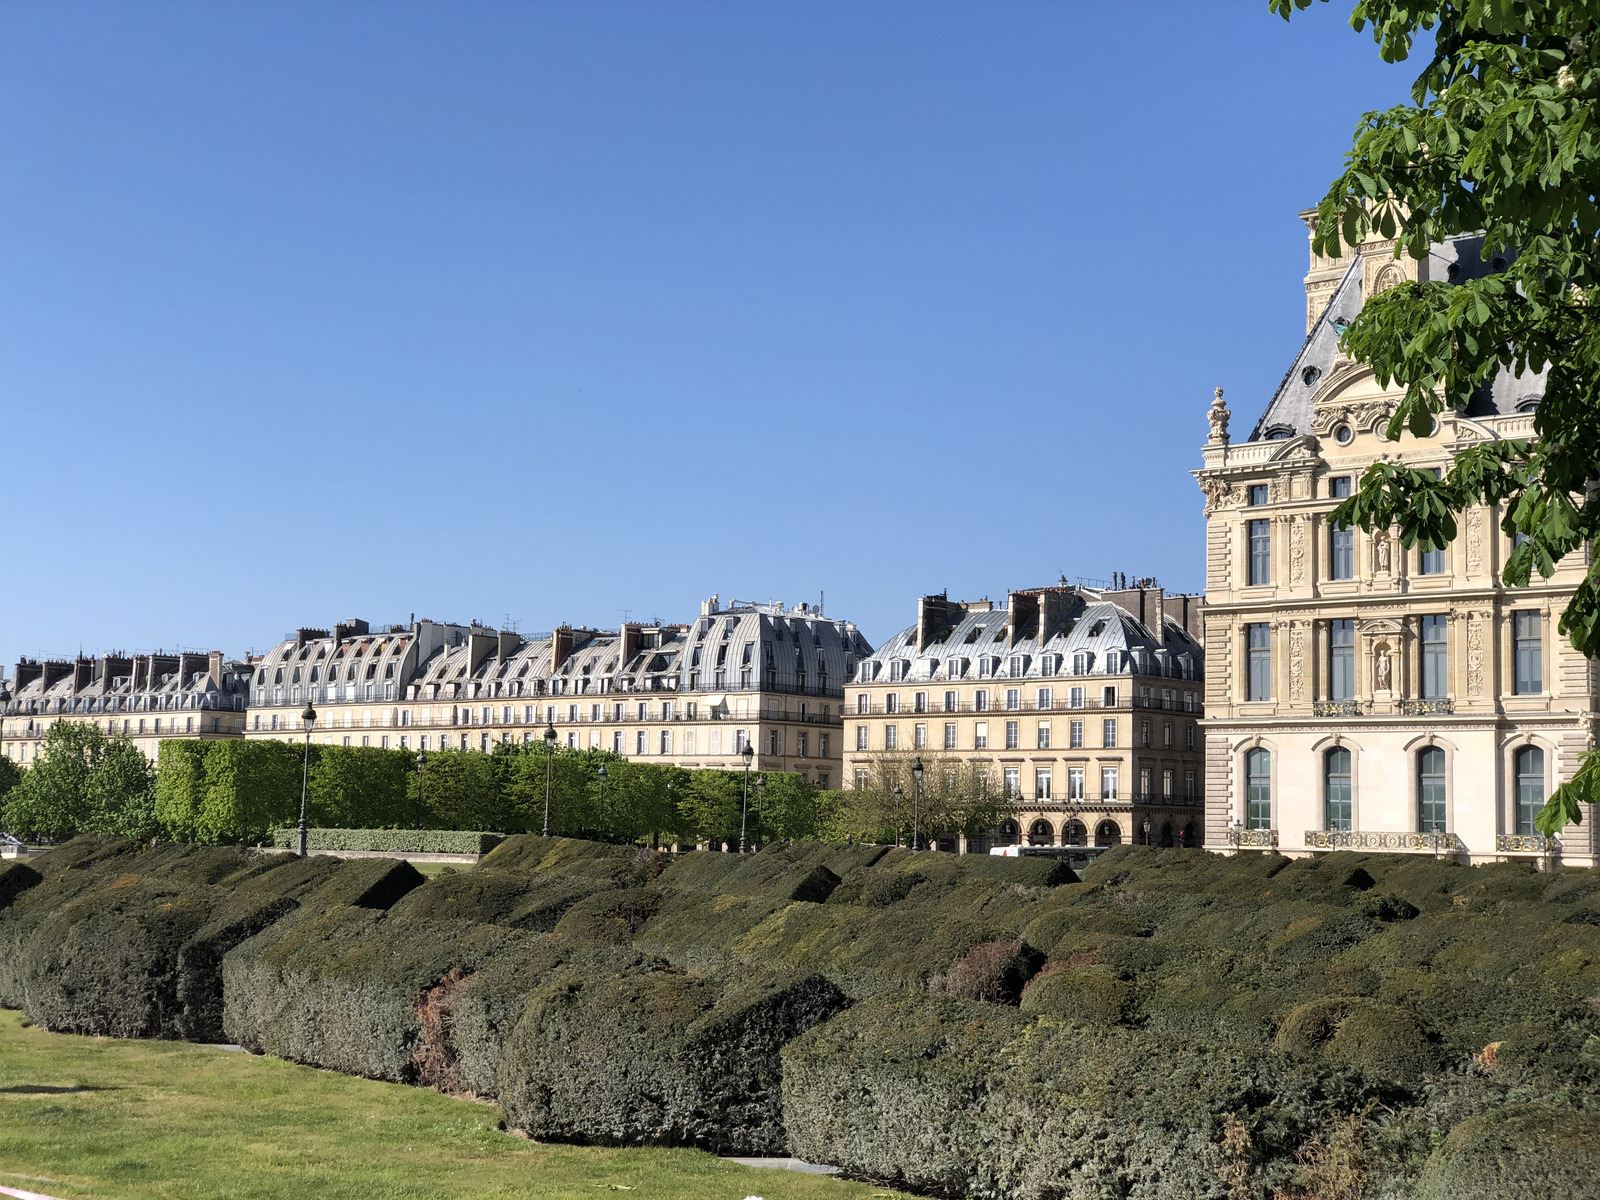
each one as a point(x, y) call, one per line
point(950, 704)
point(1341, 660)
point(1188, 784)
point(666, 741)
point(919, 736)
point(1044, 735)
point(1108, 732)
point(1041, 784)
point(891, 737)
point(1044, 699)
point(616, 741)
point(1435, 659)
point(1188, 736)
point(1013, 736)
point(1013, 699)
point(919, 702)
point(1144, 734)
point(1013, 782)
point(1530, 789)
point(1075, 735)
point(980, 736)
point(1342, 548)
point(1167, 734)
point(1258, 493)
point(1336, 789)
point(1528, 652)
point(1339, 488)
point(1260, 553)
point(741, 738)
point(823, 743)
point(1074, 783)
point(1075, 698)
point(950, 735)
point(863, 702)
point(1430, 560)
point(861, 737)
point(863, 778)
point(891, 703)
point(774, 741)
point(980, 701)
point(1258, 640)
point(1108, 783)
point(1258, 789)
point(1430, 790)
point(639, 746)
point(1108, 697)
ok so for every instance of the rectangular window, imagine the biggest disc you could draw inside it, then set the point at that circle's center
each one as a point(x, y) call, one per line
point(824, 742)
point(863, 778)
point(1341, 660)
point(1260, 553)
point(1013, 737)
point(1258, 789)
point(1167, 779)
point(1145, 791)
point(1075, 735)
point(688, 741)
point(980, 736)
point(616, 741)
point(1342, 547)
point(919, 736)
point(1013, 780)
point(980, 701)
point(1144, 734)
point(1337, 790)
point(1435, 658)
point(1074, 783)
point(1108, 732)
point(1013, 699)
point(666, 741)
point(1430, 791)
point(919, 702)
point(1044, 735)
point(1188, 784)
point(1339, 488)
point(891, 737)
point(863, 702)
point(741, 739)
point(950, 702)
point(1108, 697)
point(1108, 783)
point(1075, 698)
point(1258, 640)
point(950, 735)
point(861, 738)
point(1041, 784)
point(1430, 561)
point(1167, 734)
point(1528, 651)
point(1044, 699)
point(1258, 494)
point(891, 703)
point(1188, 736)
point(639, 746)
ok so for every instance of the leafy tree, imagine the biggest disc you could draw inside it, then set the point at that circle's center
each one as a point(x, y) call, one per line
point(10, 775)
point(251, 788)
point(1502, 138)
point(84, 782)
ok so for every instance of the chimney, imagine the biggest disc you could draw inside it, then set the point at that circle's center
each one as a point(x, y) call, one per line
point(111, 667)
point(1055, 607)
point(631, 641)
point(27, 671)
point(189, 665)
point(711, 607)
point(933, 618)
point(354, 627)
point(214, 667)
point(560, 647)
point(480, 643)
point(1022, 613)
point(56, 670)
point(302, 636)
point(1186, 611)
point(82, 672)
point(509, 644)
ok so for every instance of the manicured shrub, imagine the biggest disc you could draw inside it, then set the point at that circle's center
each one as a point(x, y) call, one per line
point(657, 1056)
point(390, 841)
point(992, 971)
point(1093, 993)
point(16, 878)
point(1527, 1151)
point(251, 788)
point(1379, 1039)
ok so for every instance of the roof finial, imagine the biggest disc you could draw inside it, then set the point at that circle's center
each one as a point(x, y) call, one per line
point(1219, 421)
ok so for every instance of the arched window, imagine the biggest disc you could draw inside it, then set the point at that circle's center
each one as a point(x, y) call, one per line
point(1008, 834)
point(1430, 790)
point(1107, 834)
point(1530, 788)
point(1074, 834)
point(1336, 789)
point(1041, 833)
point(1258, 796)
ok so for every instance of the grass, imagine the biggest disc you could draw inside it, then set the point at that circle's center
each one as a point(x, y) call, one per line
point(147, 1120)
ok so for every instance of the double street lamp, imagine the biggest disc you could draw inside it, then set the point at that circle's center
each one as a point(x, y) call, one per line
point(749, 753)
point(308, 718)
point(549, 761)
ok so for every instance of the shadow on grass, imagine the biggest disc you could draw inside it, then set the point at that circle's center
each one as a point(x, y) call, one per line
point(42, 1089)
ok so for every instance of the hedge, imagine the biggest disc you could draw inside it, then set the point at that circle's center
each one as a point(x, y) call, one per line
point(16, 877)
point(390, 841)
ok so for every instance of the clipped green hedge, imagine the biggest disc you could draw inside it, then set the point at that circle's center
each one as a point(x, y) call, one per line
point(16, 877)
point(390, 841)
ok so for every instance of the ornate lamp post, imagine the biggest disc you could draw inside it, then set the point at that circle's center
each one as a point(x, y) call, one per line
point(899, 799)
point(549, 762)
point(422, 800)
point(749, 753)
point(308, 718)
point(1147, 831)
point(916, 799)
point(602, 773)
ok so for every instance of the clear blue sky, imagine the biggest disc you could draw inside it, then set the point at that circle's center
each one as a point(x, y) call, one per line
point(310, 310)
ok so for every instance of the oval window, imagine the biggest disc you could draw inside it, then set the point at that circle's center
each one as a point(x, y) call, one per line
point(1343, 434)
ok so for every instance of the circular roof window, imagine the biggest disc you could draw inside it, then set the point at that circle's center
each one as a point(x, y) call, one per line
point(1310, 375)
point(1342, 434)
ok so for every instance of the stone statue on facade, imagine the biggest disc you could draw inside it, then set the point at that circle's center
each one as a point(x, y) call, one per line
point(1384, 672)
point(1218, 416)
point(1381, 545)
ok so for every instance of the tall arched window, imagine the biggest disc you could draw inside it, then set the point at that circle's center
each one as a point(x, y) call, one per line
point(1336, 789)
point(1430, 790)
point(1530, 788)
point(1258, 801)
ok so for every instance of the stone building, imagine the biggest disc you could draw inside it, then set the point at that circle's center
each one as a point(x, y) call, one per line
point(146, 696)
point(1079, 705)
point(1360, 694)
point(691, 695)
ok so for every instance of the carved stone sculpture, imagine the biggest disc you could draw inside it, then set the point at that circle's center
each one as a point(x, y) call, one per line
point(1219, 420)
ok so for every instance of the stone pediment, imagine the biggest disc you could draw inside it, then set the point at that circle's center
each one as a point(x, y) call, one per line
point(1380, 626)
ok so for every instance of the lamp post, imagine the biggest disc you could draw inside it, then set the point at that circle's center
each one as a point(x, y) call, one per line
point(749, 753)
point(916, 799)
point(899, 799)
point(308, 718)
point(422, 799)
point(549, 762)
point(1147, 831)
point(602, 773)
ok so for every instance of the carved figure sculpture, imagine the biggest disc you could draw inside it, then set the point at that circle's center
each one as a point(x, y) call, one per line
point(1381, 544)
point(1385, 671)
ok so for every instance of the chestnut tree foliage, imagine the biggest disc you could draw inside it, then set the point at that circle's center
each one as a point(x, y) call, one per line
point(1502, 137)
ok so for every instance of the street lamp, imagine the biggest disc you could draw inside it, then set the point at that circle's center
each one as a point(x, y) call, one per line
point(602, 774)
point(422, 799)
point(549, 761)
point(749, 753)
point(916, 799)
point(308, 718)
point(1147, 831)
point(899, 799)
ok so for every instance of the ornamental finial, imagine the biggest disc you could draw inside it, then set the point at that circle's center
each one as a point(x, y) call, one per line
point(1219, 420)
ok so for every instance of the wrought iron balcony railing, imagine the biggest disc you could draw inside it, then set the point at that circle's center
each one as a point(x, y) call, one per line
point(1336, 708)
point(1524, 843)
point(1253, 839)
point(1359, 839)
point(1427, 708)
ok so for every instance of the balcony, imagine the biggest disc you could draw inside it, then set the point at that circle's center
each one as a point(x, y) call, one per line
point(1355, 839)
point(1427, 708)
point(1336, 708)
point(1253, 839)
point(1525, 843)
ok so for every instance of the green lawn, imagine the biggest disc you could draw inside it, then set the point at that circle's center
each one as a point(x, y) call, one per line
point(169, 1121)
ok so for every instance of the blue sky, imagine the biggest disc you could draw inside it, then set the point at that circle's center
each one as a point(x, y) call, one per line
point(551, 311)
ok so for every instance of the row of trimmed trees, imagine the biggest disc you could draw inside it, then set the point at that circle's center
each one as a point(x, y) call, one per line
point(238, 791)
